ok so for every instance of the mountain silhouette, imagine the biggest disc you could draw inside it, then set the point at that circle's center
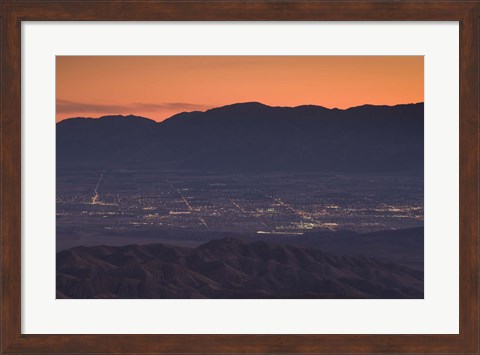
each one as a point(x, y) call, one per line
point(401, 246)
point(253, 137)
point(228, 268)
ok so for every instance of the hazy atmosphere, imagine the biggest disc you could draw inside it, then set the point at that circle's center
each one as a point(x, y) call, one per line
point(158, 87)
point(240, 177)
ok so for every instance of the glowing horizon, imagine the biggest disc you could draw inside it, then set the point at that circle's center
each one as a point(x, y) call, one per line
point(235, 103)
point(158, 87)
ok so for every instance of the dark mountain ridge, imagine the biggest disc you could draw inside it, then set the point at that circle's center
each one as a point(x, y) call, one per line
point(253, 137)
point(228, 268)
point(401, 246)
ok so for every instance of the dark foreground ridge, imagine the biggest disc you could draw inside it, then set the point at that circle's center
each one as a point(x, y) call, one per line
point(252, 137)
point(228, 268)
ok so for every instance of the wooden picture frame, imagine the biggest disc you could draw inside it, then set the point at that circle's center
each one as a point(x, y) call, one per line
point(14, 12)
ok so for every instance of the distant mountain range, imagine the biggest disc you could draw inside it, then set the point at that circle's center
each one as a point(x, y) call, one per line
point(253, 137)
point(228, 268)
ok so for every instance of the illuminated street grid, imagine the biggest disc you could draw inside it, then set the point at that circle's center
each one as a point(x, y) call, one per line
point(120, 200)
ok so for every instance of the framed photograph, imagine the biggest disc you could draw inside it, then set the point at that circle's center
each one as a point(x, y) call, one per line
point(240, 177)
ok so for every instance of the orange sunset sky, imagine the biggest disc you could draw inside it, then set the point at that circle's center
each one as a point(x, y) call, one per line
point(161, 86)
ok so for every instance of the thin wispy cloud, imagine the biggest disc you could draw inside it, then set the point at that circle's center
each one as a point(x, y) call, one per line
point(73, 107)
